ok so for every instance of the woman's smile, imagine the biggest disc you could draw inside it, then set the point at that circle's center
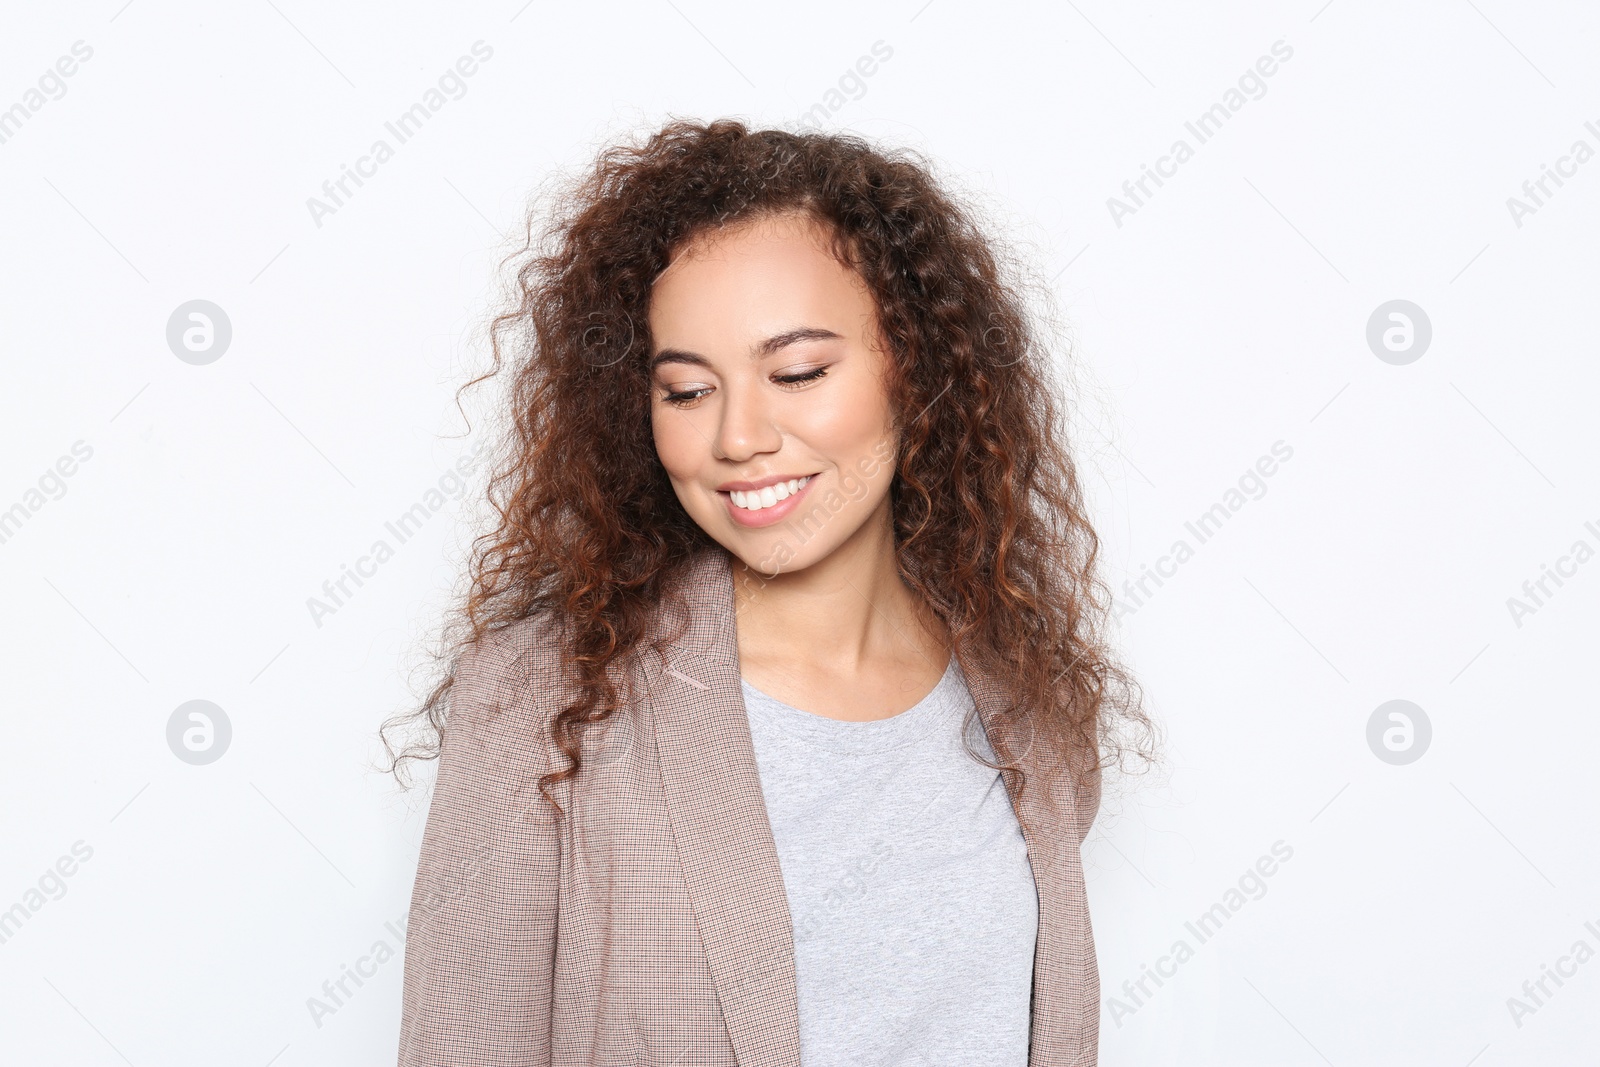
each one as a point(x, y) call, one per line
point(767, 505)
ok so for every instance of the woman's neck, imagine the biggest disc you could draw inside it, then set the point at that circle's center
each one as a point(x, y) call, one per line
point(847, 615)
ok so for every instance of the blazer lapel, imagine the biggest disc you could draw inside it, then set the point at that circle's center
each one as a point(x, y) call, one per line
point(1064, 971)
point(730, 860)
point(719, 817)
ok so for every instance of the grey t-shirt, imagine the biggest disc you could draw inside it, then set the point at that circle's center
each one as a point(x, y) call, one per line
point(915, 911)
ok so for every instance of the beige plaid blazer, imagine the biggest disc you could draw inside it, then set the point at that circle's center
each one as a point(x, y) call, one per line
point(652, 928)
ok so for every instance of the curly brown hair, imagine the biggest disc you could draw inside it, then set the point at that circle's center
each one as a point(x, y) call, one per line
point(988, 514)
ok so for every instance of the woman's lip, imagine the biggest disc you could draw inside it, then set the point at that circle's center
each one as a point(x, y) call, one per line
point(766, 516)
point(756, 487)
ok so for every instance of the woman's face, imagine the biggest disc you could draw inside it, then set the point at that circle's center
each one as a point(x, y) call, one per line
point(769, 404)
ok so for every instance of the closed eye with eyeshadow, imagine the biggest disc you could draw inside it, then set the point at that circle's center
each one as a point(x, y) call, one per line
point(689, 396)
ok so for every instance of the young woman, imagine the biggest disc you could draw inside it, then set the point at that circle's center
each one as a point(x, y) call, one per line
point(783, 695)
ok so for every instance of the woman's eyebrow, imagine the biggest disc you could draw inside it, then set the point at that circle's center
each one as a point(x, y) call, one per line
point(772, 344)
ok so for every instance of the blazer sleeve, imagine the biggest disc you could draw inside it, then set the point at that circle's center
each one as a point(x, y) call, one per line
point(1086, 787)
point(481, 932)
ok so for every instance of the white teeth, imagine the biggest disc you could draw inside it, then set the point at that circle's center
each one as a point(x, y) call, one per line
point(766, 498)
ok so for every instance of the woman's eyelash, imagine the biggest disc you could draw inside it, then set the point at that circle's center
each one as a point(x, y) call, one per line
point(681, 399)
point(808, 376)
point(689, 396)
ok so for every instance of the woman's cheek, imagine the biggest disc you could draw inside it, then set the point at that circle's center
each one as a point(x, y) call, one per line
point(674, 439)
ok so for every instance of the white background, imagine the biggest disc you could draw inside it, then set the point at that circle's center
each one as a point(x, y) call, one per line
point(1228, 313)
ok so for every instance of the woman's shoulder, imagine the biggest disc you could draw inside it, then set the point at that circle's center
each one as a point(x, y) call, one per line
point(526, 644)
point(513, 667)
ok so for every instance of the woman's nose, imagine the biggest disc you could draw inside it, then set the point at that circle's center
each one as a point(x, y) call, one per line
point(747, 427)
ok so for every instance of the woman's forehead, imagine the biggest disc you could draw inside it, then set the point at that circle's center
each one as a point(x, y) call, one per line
point(721, 240)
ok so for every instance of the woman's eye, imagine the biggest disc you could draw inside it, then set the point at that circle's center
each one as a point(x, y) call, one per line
point(687, 396)
point(808, 376)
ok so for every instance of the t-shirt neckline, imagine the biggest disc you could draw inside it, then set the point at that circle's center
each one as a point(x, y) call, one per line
point(874, 735)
